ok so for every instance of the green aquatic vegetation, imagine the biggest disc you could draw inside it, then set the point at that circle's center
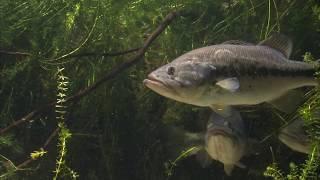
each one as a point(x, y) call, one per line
point(37, 154)
point(61, 170)
point(309, 169)
point(120, 117)
point(10, 168)
point(274, 172)
point(70, 16)
point(305, 171)
point(309, 112)
point(170, 165)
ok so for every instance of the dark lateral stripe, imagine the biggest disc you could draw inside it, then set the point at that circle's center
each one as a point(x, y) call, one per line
point(251, 70)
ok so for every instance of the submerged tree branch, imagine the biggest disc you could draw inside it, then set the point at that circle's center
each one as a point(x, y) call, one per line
point(44, 147)
point(120, 53)
point(168, 19)
point(15, 53)
point(80, 55)
point(27, 117)
point(109, 75)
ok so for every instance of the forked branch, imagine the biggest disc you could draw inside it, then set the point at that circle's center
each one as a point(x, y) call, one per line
point(109, 75)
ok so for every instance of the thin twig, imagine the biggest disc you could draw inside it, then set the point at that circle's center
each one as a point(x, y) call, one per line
point(26, 118)
point(45, 145)
point(109, 75)
point(80, 55)
point(80, 46)
point(103, 54)
point(15, 53)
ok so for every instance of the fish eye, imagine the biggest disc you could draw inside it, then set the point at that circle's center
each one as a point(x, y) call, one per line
point(171, 70)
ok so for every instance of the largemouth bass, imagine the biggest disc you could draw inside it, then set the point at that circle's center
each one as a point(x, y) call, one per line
point(227, 74)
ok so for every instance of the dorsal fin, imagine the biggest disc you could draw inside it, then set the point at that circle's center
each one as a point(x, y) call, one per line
point(237, 42)
point(279, 42)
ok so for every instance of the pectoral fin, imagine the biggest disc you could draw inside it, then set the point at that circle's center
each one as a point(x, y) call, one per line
point(230, 84)
point(228, 169)
point(240, 165)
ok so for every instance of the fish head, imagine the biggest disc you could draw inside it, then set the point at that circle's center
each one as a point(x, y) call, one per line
point(182, 81)
point(225, 139)
point(232, 124)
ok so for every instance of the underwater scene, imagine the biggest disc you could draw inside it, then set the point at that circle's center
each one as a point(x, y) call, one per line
point(160, 90)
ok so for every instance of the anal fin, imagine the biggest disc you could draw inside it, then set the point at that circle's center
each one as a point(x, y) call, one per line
point(289, 101)
point(228, 169)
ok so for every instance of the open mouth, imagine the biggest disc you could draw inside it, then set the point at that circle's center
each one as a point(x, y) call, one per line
point(219, 132)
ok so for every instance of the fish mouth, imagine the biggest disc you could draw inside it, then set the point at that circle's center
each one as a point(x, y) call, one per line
point(215, 132)
point(152, 80)
point(159, 86)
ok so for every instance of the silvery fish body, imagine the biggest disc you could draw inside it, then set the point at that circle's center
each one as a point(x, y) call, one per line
point(232, 74)
point(226, 140)
point(295, 137)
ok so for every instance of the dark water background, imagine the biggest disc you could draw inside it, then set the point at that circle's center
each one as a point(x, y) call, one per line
point(116, 128)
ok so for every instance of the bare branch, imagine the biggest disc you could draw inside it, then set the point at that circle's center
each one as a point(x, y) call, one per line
point(15, 53)
point(168, 19)
point(103, 54)
point(45, 145)
point(26, 118)
point(80, 55)
point(109, 75)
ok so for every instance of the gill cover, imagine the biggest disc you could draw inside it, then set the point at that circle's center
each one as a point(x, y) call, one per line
point(192, 73)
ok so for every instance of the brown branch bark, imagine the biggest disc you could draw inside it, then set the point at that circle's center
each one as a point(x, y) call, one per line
point(45, 145)
point(15, 53)
point(80, 55)
point(109, 75)
point(26, 118)
point(102, 54)
point(168, 19)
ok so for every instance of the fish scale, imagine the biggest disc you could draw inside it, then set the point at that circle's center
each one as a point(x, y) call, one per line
point(233, 74)
point(248, 60)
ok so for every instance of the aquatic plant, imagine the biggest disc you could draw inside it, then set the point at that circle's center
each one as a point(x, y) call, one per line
point(113, 118)
point(62, 170)
point(170, 165)
point(309, 111)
